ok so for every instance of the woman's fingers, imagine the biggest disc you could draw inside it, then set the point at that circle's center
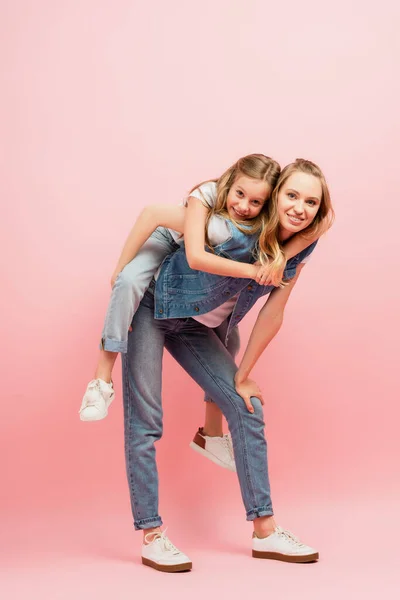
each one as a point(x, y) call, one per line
point(248, 404)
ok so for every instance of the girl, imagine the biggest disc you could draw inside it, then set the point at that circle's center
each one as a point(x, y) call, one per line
point(299, 203)
point(240, 196)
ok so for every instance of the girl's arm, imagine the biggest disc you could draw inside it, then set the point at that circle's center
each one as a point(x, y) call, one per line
point(269, 321)
point(295, 245)
point(198, 258)
point(191, 221)
point(149, 219)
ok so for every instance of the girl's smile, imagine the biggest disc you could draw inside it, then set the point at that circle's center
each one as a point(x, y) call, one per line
point(246, 198)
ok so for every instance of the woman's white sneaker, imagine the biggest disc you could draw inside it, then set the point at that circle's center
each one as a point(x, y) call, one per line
point(98, 397)
point(217, 449)
point(160, 553)
point(283, 545)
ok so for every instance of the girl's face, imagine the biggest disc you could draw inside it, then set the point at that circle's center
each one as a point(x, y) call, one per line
point(298, 202)
point(246, 198)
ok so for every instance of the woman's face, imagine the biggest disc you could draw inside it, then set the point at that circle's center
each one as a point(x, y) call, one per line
point(298, 202)
point(246, 198)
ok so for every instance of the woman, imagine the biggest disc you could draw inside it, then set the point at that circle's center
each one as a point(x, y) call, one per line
point(167, 317)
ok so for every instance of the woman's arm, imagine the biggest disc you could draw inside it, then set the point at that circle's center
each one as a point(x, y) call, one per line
point(149, 219)
point(269, 321)
point(198, 258)
point(296, 244)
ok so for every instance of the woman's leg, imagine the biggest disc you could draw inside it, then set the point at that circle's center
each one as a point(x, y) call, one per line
point(141, 369)
point(141, 373)
point(213, 417)
point(204, 357)
point(199, 351)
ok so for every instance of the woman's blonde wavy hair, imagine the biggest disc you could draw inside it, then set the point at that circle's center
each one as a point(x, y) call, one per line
point(322, 222)
point(255, 166)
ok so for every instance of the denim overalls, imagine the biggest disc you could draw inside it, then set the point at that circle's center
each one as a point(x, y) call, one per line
point(184, 292)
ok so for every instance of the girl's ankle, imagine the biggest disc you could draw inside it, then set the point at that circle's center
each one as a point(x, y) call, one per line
point(212, 432)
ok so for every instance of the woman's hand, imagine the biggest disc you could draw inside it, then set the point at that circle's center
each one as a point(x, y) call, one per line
point(248, 388)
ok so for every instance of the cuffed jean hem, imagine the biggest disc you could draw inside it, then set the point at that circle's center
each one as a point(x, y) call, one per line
point(208, 399)
point(262, 511)
point(113, 345)
point(148, 523)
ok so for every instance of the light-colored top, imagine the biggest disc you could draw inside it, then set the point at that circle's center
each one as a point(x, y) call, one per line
point(218, 229)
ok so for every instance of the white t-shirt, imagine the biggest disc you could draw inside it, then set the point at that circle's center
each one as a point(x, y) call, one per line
point(218, 229)
point(218, 233)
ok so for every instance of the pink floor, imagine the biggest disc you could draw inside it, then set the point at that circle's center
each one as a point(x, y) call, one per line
point(96, 555)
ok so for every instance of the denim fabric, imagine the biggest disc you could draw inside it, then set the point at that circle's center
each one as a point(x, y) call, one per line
point(184, 292)
point(231, 342)
point(201, 353)
point(130, 287)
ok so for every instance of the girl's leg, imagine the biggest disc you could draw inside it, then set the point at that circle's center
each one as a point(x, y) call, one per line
point(209, 440)
point(129, 288)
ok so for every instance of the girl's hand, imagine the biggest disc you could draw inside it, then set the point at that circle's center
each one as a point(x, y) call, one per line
point(114, 276)
point(247, 389)
point(263, 274)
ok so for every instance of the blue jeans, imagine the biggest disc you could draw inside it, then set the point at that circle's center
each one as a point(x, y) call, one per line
point(202, 354)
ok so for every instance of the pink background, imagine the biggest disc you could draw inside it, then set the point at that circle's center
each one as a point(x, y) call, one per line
point(107, 106)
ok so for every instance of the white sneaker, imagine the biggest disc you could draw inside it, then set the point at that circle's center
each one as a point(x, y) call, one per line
point(217, 449)
point(159, 553)
point(98, 397)
point(283, 545)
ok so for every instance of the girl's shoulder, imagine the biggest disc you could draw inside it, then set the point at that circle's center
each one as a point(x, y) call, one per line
point(206, 193)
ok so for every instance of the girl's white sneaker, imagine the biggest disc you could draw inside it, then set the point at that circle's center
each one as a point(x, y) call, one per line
point(217, 449)
point(161, 554)
point(98, 397)
point(283, 545)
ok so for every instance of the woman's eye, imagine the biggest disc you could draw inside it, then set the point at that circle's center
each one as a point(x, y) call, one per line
point(291, 195)
point(239, 193)
point(311, 202)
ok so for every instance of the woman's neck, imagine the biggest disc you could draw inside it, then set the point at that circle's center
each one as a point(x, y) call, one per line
point(284, 234)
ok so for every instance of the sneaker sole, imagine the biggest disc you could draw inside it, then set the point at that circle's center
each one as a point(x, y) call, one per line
point(286, 557)
point(100, 418)
point(211, 457)
point(167, 568)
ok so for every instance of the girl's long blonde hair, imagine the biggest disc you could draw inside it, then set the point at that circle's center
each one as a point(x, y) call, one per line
point(322, 222)
point(255, 166)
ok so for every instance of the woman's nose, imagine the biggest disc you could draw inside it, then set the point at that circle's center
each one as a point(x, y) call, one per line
point(299, 207)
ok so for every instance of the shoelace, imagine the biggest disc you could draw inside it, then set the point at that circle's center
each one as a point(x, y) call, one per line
point(228, 445)
point(93, 385)
point(287, 535)
point(161, 538)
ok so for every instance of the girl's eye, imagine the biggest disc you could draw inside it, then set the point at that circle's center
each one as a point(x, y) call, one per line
point(311, 202)
point(291, 195)
point(256, 202)
point(239, 193)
